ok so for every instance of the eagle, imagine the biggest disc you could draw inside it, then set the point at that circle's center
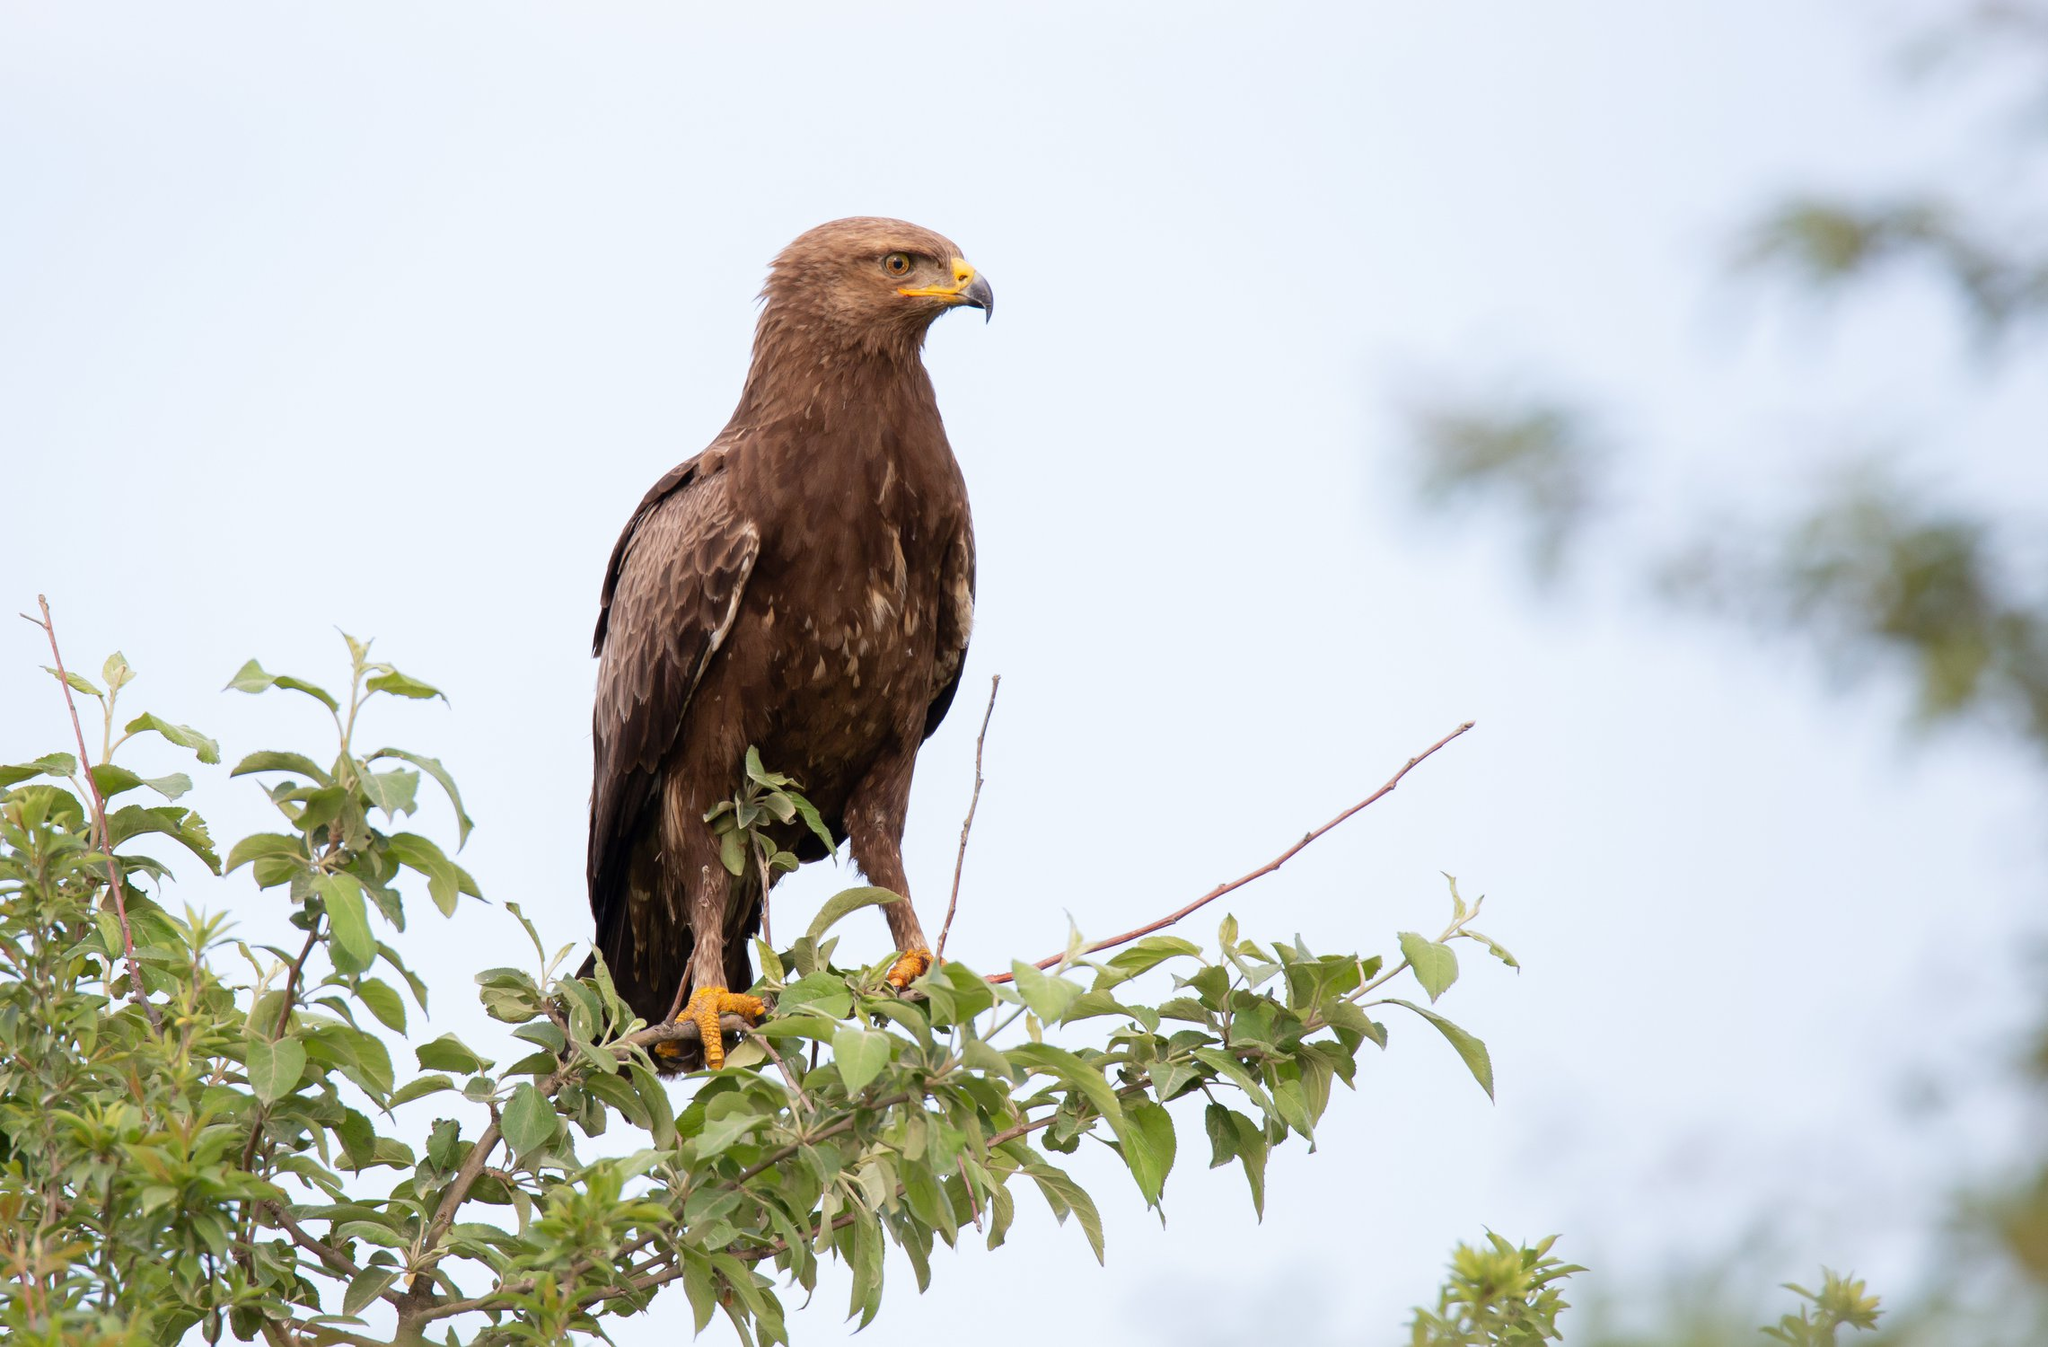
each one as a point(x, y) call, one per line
point(803, 587)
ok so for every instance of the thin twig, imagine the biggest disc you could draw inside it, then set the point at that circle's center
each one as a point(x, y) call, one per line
point(99, 821)
point(1268, 868)
point(960, 860)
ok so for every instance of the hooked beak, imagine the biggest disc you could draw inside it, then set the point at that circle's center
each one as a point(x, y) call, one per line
point(968, 287)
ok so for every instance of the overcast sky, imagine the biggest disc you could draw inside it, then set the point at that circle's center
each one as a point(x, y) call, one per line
point(383, 316)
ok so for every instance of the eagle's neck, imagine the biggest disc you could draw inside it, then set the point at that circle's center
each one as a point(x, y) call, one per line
point(830, 373)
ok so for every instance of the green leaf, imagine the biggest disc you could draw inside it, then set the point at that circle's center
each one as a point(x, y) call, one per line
point(1148, 954)
point(53, 764)
point(1222, 1135)
point(252, 679)
point(1065, 1195)
point(117, 672)
point(1047, 995)
point(400, 685)
point(181, 825)
point(258, 845)
point(861, 1055)
point(449, 1053)
point(1493, 947)
point(528, 1120)
point(726, 1119)
point(1148, 1144)
point(383, 1001)
point(275, 1068)
point(420, 1088)
point(445, 879)
point(366, 1287)
point(1435, 966)
point(432, 767)
point(1070, 1070)
point(184, 736)
point(354, 948)
point(1469, 1048)
point(394, 792)
point(77, 682)
point(282, 762)
point(847, 900)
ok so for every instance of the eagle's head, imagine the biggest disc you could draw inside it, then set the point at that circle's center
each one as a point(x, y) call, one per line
point(871, 281)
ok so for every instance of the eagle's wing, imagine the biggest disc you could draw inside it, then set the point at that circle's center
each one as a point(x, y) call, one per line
point(956, 624)
point(671, 595)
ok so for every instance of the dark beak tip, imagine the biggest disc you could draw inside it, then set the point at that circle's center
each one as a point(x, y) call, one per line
point(981, 297)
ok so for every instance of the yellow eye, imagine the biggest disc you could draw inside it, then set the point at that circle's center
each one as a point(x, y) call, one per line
point(897, 264)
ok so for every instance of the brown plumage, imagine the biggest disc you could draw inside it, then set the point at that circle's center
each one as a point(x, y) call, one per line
point(805, 586)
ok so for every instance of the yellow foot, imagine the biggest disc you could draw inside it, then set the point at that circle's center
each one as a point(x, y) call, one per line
point(706, 1005)
point(910, 965)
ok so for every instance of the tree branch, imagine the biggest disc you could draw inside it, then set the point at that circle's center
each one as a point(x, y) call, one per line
point(99, 822)
point(1268, 868)
point(960, 860)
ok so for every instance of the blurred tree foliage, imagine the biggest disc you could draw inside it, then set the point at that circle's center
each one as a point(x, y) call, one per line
point(1877, 575)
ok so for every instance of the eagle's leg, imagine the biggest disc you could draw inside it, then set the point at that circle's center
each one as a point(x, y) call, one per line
point(874, 824)
point(704, 984)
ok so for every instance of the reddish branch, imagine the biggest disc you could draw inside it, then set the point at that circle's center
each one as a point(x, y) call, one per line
point(1268, 868)
point(99, 823)
point(960, 860)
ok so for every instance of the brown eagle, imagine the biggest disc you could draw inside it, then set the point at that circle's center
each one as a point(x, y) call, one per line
point(804, 586)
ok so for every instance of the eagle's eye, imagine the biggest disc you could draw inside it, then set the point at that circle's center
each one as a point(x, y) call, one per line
point(896, 264)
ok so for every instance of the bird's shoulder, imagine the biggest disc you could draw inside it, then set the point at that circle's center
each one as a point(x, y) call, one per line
point(688, 516)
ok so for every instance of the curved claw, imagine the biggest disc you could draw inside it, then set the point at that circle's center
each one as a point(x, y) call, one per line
point(910, 965)
point(706, 1005)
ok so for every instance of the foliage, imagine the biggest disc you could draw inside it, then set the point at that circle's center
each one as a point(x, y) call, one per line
point(297, 1156)
point(1874, 572)
point(1496, 1296)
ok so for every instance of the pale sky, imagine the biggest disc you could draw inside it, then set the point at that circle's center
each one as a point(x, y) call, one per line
point(383, 316)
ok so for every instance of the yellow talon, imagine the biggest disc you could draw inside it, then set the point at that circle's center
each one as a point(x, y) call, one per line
point(706, 1005)
point(910, 965)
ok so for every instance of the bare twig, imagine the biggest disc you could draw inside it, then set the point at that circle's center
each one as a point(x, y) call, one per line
point(99, 823)
point(1268, 868)
point(960, 860)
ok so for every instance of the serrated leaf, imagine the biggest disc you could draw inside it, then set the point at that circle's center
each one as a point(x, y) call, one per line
point(1070, 1070)
point(74, 680)
point(1494, 948)
point(402, 685)
point(256, 846)
point(449, 1053)
point(275, 1068)
point(1148, 1146)
point(846, 900)
point(528, 1120)
point(394, 792)
point(383, 1001)
point(50, 764)
point(1435, 966)
point(432, 767)
point(353, 948)
point(1469, 1048)
point(1065, 1195)
point(366, 1287)
point(421, 1087)
point(252, 679)
point(184, 736)
point(445, 879)
point(860, 1054)
point(1048, 996)
point(282, 762)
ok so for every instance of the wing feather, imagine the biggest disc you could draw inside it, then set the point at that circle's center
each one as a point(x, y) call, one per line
point(672, 593)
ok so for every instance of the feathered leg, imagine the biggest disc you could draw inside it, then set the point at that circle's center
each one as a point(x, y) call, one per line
point(874, 825)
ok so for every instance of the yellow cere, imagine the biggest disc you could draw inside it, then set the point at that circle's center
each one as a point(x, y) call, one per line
point(963, 276)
